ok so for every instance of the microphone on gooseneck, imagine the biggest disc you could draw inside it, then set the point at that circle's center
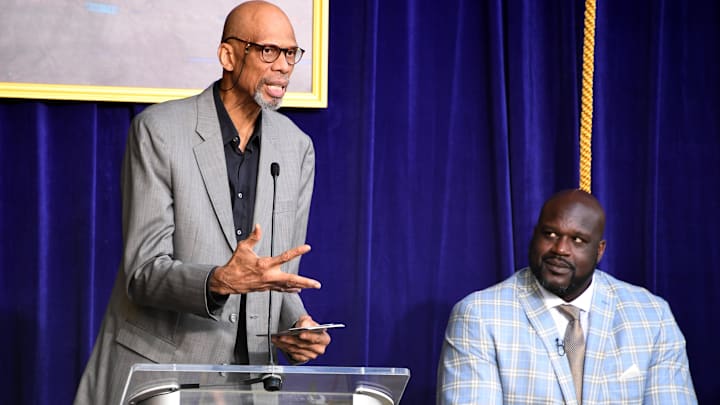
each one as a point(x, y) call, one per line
point(274, 172)
point(272, 381)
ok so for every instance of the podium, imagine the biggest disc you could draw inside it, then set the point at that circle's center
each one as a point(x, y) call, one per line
point(179, 384)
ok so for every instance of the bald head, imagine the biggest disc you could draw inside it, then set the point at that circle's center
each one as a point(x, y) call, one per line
point(573, 198)
point(249, 20)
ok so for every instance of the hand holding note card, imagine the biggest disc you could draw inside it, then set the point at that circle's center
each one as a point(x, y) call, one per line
point(316, 328)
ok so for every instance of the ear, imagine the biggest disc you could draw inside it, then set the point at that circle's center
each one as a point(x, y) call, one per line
point(601, 250)
point(226, 56)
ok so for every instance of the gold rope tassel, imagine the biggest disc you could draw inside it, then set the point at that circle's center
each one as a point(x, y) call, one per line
point(586, 106)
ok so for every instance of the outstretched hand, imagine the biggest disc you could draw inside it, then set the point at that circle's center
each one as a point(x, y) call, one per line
point(247, 272)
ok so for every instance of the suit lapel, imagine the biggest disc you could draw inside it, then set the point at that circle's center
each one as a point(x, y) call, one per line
point(269, 153)
point(543, 323)
point(257, 303)
point(600, 339)
point(210, 158)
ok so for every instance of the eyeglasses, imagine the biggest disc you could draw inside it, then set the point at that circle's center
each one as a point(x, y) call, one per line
point(270, 53)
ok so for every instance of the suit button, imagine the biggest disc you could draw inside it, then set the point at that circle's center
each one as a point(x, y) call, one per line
point(233, 318)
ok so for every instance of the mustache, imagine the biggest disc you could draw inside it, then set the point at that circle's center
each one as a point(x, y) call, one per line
point(283, 80)
point(558, 259)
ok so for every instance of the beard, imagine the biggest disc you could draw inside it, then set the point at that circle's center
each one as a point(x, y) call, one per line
point(560, 291)
point(271, 105)
point(571, 287)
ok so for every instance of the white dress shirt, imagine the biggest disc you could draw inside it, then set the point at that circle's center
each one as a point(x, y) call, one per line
point(583, 302)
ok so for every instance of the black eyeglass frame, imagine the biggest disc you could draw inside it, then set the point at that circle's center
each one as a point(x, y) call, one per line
point(299, 52)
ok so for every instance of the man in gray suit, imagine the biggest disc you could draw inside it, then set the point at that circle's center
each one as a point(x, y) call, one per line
point(198, 188)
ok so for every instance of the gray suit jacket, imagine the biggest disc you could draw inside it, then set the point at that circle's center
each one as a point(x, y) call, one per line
point(177, 226)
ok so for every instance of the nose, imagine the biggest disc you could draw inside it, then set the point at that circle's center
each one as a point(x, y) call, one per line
point(281, 64)
point(561, 246)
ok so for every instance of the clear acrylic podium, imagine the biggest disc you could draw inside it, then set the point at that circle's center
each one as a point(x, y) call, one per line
point(176, 384)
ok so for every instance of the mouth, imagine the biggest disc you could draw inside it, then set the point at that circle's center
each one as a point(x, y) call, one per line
point(557, 265)
point(276, 89)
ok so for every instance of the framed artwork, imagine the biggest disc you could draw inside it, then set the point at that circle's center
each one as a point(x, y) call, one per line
point(139, 51)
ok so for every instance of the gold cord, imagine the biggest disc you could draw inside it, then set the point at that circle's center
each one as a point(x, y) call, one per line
point(586, 106)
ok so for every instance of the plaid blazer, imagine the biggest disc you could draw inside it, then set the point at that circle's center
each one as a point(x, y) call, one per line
point(500, 348)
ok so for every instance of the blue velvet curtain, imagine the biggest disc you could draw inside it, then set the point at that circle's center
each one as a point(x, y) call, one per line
point(448, 124)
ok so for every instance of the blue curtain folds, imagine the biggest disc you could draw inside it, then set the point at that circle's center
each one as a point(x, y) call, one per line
point(448, 124)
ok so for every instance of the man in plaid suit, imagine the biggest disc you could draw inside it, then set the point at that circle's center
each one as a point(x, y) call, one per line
point(505, 344)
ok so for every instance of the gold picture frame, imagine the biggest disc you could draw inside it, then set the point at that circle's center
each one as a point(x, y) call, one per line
point(313, 96)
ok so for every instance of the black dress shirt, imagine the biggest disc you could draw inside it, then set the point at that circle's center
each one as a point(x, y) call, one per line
point(242, 170)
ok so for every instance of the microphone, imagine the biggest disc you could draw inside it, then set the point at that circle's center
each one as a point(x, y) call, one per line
point(272, 381)
point(560, 346)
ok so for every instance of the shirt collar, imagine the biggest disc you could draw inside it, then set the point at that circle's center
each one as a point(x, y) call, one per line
point(227, 128)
